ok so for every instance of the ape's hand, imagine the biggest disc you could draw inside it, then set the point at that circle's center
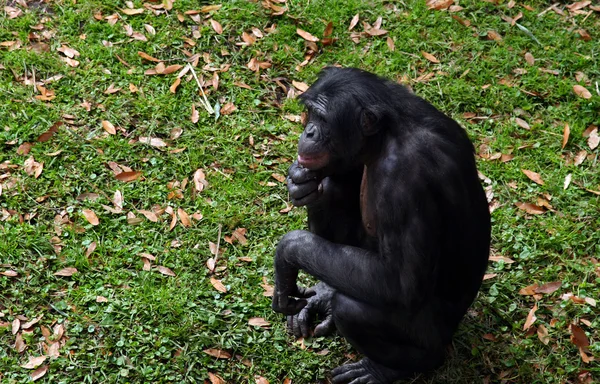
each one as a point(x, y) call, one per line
point(289, 299)
point(317, 305)
point(303, 185)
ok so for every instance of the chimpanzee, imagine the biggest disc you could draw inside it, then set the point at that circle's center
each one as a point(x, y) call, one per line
point(399, 226)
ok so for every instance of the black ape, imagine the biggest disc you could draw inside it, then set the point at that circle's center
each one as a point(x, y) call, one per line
point(399, 226)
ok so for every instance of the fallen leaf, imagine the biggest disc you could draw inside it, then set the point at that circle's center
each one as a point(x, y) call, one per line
point(593, 139)
point(90, 216)
point(101, 299)
point(566, 133)
point(548, 288)
point(128, 176)
point(66, 272)
point(542, 333)
point(49, 133)
point(260, 380)
point(153, 141)
point(522, 123)
point(195, 115)
point(300, 85)
point(376, 32)
point(31, 323)
point(278, 177)
point(493, 35)
point(9, 273)
point(488, 276)
point(149, 215)
point(173, 87)
point(580, 157)
point(430, 57)
point(506, 260)
point(165, 271)
point(529, 58)
point(390, 43)
point(578, 336)
point(439, 4)
point(582, 91)
point(306, 36)
point(20, 345)
point(24, 148)
point(34, 362)
point(184, 218)
point(218, 353)
point(259, 322)
point(353, 22)
point(530, 318)
point(15, 326)
point(585, 36)
point(146, 56)
point(218, 285)
point(531, 208)
point(239, 235)
point(39, 373)
point(215, 379)
point(533, 176)
point(567, 181)
point(216, 26)
point(228, 109)
point(131, 12)
point(109, 127)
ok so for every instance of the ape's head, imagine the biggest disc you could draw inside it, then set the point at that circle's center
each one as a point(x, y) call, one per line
point(342, 112)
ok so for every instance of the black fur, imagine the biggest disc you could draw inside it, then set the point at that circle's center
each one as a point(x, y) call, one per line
point(400, 268)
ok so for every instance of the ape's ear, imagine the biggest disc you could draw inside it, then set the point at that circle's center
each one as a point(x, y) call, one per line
point(370, 121)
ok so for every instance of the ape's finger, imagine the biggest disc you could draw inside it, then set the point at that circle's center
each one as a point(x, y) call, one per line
point(301, 175)
point(310, 198)
point(325, 327)
point(298, 191)
point(304, 292)
point(303, 322)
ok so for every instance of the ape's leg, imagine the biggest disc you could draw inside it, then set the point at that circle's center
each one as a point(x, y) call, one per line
point(395, 345)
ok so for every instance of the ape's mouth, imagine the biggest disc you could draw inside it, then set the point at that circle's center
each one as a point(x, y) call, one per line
point(313, 162)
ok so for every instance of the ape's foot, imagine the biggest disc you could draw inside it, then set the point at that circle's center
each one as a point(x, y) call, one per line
point(365, 371)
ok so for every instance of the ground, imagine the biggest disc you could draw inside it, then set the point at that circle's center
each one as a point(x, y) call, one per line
point(121, 182)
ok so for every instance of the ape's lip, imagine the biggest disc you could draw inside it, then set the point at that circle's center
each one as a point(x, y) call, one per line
point(313, 162)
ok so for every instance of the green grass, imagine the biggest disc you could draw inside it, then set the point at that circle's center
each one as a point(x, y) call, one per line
point(154, 328)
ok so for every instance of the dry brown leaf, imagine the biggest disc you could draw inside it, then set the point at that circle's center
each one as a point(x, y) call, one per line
point(153, 141)
point(20, 345)
point(533, 176)
point(548, 288)
point(24, 148)
point(199, 180)
point(131, 12)
point(240, 235)
point(376, 32)
point(218, 353)
point(165, 271)
point(195, 115)
point(49, 133)
point(278, 177)
point(173, 221)
point(488, 276)
point(15, 326)
point(300, 85)
point(531, 208)
point(216, 26)
point(101, 299)
point(306, 36)
point(578, 336)
point(260, 380)
point(109, 127)
point(390, 43)
point(32, 167)
point(218, 285)
point(90, 216)
point(530, 318)
point(173, 87)
point(566, 133)
point(506, 260)
point(184, 218)
point(34, 362)
point(529, 58)
point(328, 29)
point(149, 215)
point(128, 176)
point(259, 322)
point(9, 273)
point(39, 373)
point(493, 35)
point(215, 379)
point(439, 4)
point(585, 36)
point(111, 89)
point(66, 272)
point(582, 91)
point(430, 57)
point(521, 123)
point(353, 22)
point(542, 333)
point(228, 109)
point(593, 139)
point(580, 157)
